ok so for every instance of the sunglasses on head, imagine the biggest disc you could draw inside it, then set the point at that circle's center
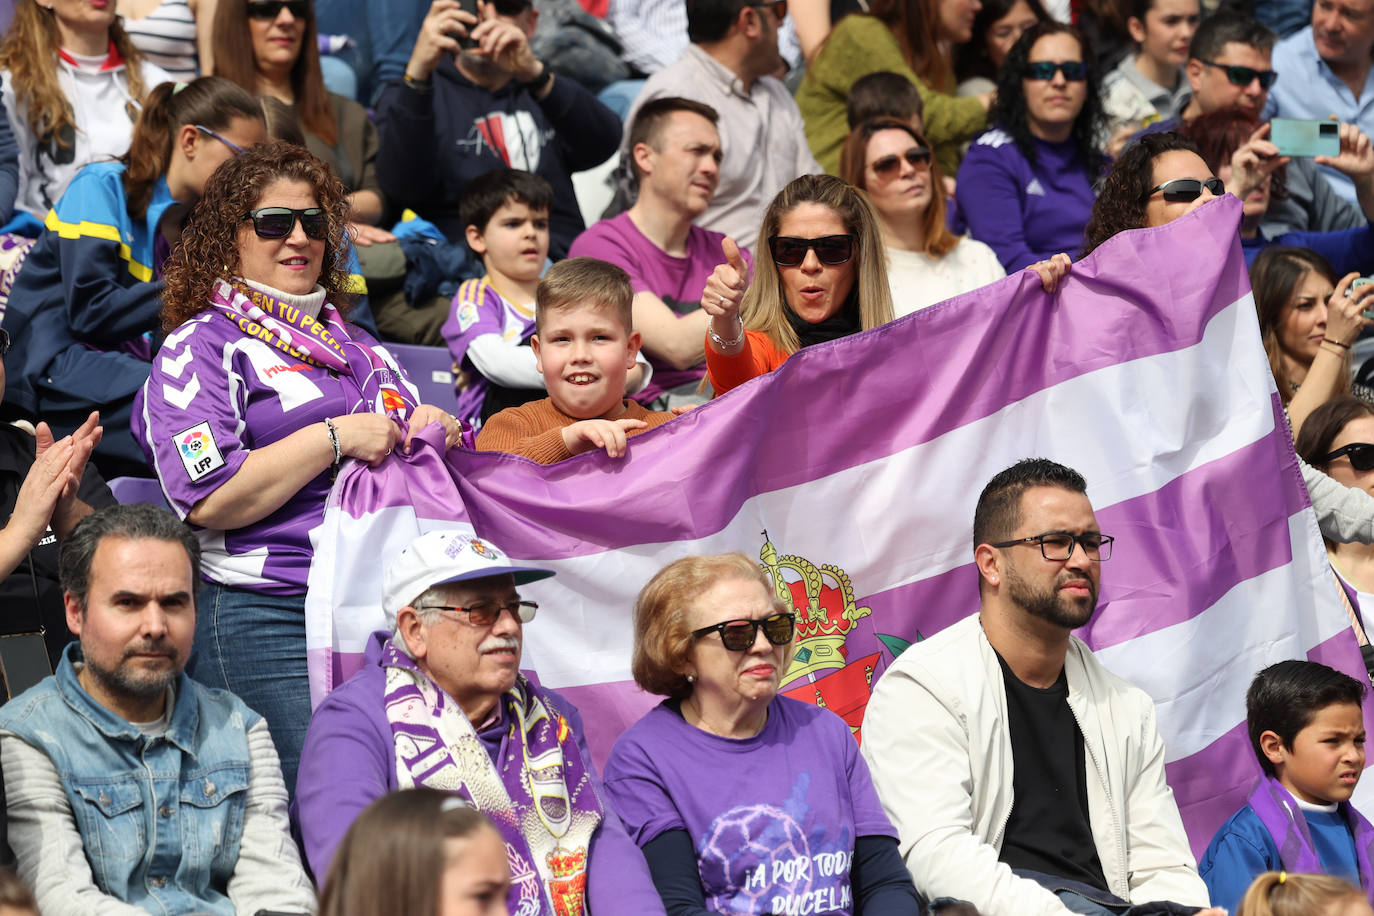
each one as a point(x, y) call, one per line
point(789, 251)
point(277, 222)
point(1361, 455)
point(1244, 76)
point(739, 635)
point(271, 9)
point(1186, 190)
point(888, 165)
point(1073, 70)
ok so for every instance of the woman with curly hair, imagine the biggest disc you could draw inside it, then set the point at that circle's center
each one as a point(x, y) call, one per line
point(913, 38)
point(1026, 186)
point(819, 275)
point(72, 86)
point(270, 48)
point(926, 263)
point(1158, 178)
point(85, 303)
point(260, 390)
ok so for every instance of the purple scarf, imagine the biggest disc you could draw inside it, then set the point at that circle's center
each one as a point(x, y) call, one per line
point(1278, 811)
point(538, 792)
point(324, 343)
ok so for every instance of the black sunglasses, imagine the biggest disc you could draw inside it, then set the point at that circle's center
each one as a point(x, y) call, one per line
point(915, 157)
point(1185, 190)
point(1073, 70)
point(789, 251)
point(1243, 76)
point(739, 635)
point(277, 222)
point(271, 9)
point(1361, 455)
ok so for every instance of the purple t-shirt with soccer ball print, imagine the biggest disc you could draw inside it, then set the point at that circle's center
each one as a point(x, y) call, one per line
point(214, 395)
point(773, 818)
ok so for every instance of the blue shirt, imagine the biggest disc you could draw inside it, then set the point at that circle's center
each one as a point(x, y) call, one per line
point(1307, 88)
point(1346, 249)
point(1242, 850)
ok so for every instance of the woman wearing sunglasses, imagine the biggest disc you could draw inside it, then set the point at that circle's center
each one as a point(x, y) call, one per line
point(1338, 440)
point(1026, 186)
point(269, 48)
point(84, 307)
point(926, 263)
point(259, 392)
point(72, 86)
point(818, 276)
point(744, 801)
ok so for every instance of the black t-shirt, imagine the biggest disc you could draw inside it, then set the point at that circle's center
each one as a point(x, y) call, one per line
point(30, 596)
point(1049, 831)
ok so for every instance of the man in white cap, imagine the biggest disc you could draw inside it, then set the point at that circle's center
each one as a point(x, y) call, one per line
point(440, 703)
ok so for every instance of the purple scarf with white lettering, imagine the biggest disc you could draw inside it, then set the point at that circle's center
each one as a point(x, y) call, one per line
point(322, 342)
point(539, 793)
point(1281, 816)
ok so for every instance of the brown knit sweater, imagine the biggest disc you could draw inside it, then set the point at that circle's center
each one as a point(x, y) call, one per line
point(535, 430)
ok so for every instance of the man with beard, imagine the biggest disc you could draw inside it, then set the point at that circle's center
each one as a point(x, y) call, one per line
point(130, 787)
point(475, 98)
point(1021, 775)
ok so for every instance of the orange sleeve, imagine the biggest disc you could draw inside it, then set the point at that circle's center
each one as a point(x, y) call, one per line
point(533, 430)
point(757, 357)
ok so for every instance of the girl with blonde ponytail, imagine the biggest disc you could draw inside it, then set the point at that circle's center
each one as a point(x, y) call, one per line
point(85, 306)
point(73, 86)
point(1277, 893)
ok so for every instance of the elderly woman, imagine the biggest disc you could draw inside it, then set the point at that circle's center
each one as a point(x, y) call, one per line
point(270, 49)
point(818, 276)
point(1026, 186)
point(259, 392)
point(73, 83)
point(744, 801)
point(926, 263)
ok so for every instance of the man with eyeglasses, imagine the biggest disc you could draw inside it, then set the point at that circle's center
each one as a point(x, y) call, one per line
point(440, 703)
point(1041, 786)
point(732, 66)
point(1328, 70)
point(1229, 66)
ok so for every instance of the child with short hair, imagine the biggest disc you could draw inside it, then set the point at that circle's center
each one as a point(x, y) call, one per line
point(584, 345)
point(1148, 86)
point(1307, 730)
point(884, 95)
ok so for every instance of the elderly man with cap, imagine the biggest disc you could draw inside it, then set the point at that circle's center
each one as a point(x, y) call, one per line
point(440, 703)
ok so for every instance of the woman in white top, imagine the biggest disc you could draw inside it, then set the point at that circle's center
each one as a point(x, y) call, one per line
point(926, 263)
point(174, 34)
point(73, 84)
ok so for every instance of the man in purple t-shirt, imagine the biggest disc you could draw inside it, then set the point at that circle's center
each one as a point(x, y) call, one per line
point(675, 150)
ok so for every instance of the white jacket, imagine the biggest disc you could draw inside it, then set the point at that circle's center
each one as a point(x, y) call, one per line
point(99, 103)
point(937, 742)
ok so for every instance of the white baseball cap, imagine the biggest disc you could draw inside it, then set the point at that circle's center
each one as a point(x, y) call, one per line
point(440, 557)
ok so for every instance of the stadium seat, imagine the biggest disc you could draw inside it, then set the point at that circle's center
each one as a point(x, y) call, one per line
point(431, 369)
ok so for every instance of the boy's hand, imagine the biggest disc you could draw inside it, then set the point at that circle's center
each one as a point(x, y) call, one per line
point(585, 435)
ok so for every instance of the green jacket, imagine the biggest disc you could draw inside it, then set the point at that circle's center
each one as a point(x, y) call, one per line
point(860, 45)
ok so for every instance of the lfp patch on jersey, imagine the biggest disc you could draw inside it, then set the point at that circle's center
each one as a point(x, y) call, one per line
point(467, 315)
point(198, 451)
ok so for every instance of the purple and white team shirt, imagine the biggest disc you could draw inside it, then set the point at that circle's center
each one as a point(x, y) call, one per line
point(479, 309)
point(214, 395)
point(773, 818)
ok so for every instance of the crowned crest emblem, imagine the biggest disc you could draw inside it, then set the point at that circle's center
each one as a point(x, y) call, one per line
point(821, 672)
point(568, 889)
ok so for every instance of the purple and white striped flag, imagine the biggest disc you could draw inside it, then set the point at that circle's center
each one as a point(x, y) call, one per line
point(852, 473)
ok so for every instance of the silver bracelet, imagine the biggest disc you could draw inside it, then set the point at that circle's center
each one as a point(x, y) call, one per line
point(334, 440)
point(722, 342)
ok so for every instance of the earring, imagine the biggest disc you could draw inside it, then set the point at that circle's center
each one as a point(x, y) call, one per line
point(691, 678)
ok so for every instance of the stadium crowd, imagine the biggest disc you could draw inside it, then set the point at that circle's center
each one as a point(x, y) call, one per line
point(233, 231)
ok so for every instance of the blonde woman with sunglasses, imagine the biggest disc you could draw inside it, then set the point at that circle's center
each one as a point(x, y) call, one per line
point(819, 275)
point(926, 263)
point(744, 801)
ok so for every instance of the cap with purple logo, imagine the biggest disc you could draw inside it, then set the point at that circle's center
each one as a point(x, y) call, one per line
point(440, 557)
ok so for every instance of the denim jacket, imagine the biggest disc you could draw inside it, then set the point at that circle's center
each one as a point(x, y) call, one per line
point(161, 818)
